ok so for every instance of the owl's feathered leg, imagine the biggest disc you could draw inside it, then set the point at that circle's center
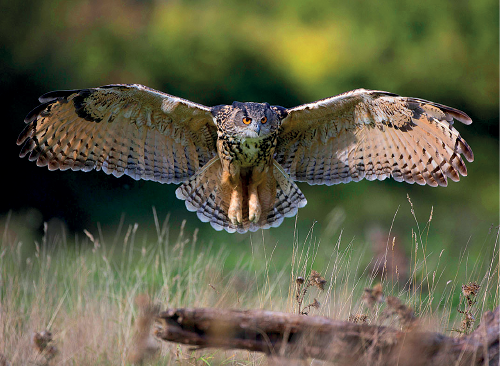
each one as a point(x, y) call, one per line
point(254, 205)
point(254, 209)
point(230, 181)
point(235, 212)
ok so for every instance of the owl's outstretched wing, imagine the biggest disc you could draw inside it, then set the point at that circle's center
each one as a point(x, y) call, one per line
point(121, 129)
point(373, 135)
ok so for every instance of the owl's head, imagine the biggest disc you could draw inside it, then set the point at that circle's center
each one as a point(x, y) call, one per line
point(249, 120)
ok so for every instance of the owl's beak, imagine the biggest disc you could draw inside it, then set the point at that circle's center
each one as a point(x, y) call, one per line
point(258, 129)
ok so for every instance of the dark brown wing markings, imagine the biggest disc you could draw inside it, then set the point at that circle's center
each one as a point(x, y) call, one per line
point(111, 127)
point(373, 134)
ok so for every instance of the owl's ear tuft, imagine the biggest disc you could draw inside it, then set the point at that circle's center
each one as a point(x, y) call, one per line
point(280, 111)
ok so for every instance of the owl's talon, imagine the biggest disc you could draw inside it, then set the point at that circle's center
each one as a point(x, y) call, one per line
point(255, 216)
point(235, 215)
point(254, 211)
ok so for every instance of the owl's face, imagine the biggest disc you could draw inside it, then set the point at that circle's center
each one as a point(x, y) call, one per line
point(249, 120)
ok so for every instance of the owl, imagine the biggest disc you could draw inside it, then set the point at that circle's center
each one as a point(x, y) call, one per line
point(237, 164)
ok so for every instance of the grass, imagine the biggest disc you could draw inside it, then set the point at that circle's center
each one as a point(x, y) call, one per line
point(93, 293)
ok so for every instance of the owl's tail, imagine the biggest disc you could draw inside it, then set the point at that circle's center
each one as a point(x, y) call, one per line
point(279, 197)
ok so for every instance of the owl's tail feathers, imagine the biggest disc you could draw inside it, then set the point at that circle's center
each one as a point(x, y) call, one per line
point(279, 197)
point(288, 199)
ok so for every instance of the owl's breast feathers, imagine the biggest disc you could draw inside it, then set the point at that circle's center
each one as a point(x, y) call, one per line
point(247, 152)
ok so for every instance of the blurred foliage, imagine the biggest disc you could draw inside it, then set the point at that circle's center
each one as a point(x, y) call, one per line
point(285, 53)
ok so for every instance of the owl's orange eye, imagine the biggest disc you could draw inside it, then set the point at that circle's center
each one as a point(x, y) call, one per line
point(264, 119)
point(247, 120)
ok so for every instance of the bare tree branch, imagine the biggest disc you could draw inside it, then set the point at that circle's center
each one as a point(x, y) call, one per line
point(345, 343)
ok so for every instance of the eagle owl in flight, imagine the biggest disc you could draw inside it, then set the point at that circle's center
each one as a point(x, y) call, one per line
point(237, 164)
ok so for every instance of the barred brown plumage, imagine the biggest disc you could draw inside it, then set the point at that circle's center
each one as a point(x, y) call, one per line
point(238, 163)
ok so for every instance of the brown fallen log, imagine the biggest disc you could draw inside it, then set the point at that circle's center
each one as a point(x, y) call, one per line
point(345, 343)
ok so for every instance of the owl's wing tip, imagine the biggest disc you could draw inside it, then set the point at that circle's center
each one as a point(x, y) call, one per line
point(459, 115)
point(217, 227)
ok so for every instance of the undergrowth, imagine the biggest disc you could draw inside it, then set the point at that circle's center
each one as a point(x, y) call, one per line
point(91, 300)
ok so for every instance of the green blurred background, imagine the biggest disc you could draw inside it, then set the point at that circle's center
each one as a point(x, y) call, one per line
point(283, 52)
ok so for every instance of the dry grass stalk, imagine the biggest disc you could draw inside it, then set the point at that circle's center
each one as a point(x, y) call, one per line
point(469, 291)
point(43, 343)
point(374, 295)
point(315, 280)
point(4, 361)
point(390, 261)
